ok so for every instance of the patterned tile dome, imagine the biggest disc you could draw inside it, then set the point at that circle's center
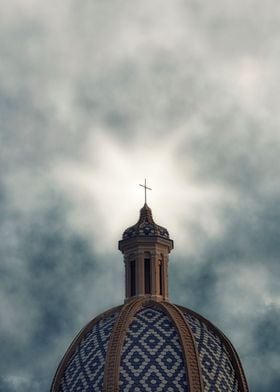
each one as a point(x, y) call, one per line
point(146, 345)
point(145, 226)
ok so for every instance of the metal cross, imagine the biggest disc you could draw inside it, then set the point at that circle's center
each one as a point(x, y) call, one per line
point(145, 186)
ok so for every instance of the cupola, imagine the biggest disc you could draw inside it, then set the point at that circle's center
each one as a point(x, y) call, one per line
point(146, 247)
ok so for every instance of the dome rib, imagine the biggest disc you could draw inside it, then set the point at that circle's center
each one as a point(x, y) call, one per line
point(188, 345)
point(113, 357)
point(75, 343)
point(239, 371)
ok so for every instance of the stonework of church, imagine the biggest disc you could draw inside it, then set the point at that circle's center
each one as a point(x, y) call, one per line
point(148, 343)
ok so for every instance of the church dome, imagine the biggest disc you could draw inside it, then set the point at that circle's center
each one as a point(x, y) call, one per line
point(145, 226)
point(149, 344)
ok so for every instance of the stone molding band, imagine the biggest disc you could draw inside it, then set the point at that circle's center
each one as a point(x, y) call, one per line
point(116, 341)
point(242, 382)
point(191, 356)
point(72, 348)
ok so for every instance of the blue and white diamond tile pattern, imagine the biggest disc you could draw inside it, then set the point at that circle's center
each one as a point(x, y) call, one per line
point(85, 371)
point(217, 370)
point(145, 229)
point(152, 358)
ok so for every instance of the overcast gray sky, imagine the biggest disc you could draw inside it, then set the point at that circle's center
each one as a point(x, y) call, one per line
point(94, 97)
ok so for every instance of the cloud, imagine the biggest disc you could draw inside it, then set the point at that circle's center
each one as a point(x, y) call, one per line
point(93, 99)
point(46, 273)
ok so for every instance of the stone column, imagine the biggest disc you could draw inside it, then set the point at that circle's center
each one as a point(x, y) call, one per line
point(153, 274)
point(140, 288)
point(127, 277)
point(165, 277)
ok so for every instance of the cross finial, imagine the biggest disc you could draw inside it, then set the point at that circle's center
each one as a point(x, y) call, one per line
point(145, 186)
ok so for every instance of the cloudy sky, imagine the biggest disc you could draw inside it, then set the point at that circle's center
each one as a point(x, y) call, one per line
point(94, 97)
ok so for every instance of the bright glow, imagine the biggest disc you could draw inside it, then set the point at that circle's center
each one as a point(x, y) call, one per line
point(107, 196)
